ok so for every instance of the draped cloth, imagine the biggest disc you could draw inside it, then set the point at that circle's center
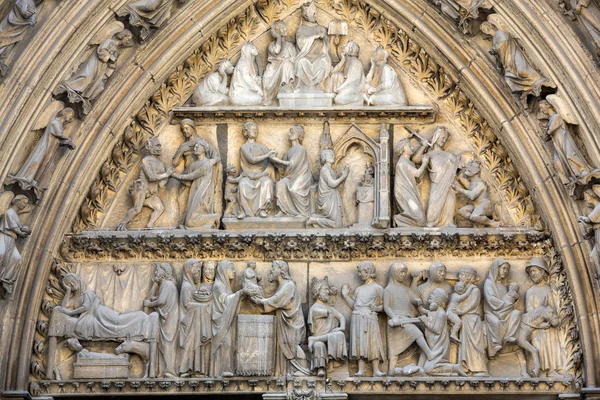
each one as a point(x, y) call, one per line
point(225, 309)
point(293, 190)
point(168, 311)
point(147, 12)
point(289, 325)
point(329, 202)
point(568, 160)
point(255, 193)
point(589, 16)
point(10, 258)
point(442, 198)
point(313, 64)
point(398, 298)
point(195, 331)
point(502, 320)
point(408, 197)
point(211, 91)
point(245, 88)
point(365, 336)
point(388, 88)
point(280, 69)
point(14, 26)
point(201, 199)
point(471, 352)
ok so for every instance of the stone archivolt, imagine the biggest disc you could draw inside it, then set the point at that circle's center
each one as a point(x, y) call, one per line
point(497, 197)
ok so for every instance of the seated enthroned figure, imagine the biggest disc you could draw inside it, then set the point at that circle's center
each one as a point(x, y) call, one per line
point(313, 64)
point(327, 340)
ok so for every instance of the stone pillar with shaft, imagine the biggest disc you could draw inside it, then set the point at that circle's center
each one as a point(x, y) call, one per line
point(382, 179)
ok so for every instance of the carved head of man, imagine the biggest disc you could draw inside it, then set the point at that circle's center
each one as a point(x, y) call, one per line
point(279, 268)
point(125, 38)
point(72, 283)
point(188, 128)
point(162, 272)
point(472, 168)
point(208, 271)
point(250, 130)
point(398, 271)
point(380, 56)
point(67, 115)
point(439, 297)
point(309, 11)
point(545, 110)
point(351, 49)
point(537, 270)
point(226, 67)
point(251, 264)
point(440, 137)
point(437, 272)
point(468, 275)
point(327, 156)
point(296, 133)
point(278, 29)
point(488, 28)
point(366, 270)
point(153, 146)
point(20, 202)
point(405, 147)
point(320, 289)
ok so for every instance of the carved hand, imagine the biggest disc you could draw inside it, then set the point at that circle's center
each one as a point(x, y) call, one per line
point(345, 290)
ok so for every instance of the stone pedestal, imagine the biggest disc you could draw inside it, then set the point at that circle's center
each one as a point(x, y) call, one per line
point(305, 100)
point(265, 223)
point(104, 367)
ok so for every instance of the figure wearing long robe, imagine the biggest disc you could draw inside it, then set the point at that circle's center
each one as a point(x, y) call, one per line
point(438, 340)
point(196, 330)
point(255, 191)
point(313, 63)
point(322, 320)
point(289, 325)
point(201, 199)
point(245, 89)
point(213, 90)
point(348, 80)
point(568, 160)
point(442, 198)
point(387, 88)
point(10, 258)
point(329, 201)
point(13, 27)
point(365, 336)
point(407, 194)
point(147, 14)
point(224, 320)
point(501, 317)
point(293, 190)
point(546, 341)
point(280, 69)
point(167, 305)
point(588, 13)
point(471, 353)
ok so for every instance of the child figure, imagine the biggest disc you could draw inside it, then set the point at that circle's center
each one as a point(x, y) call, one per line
point(251, 279)
point(513, 290)
point(365, 337)
point(461, 293)
point(230, 195)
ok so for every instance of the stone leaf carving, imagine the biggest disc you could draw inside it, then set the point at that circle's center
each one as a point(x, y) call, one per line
point(89, 81)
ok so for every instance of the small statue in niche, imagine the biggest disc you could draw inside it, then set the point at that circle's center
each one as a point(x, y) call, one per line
point(251, 279)
point(166, 302)
point(348, 77)
point(144, 191)
point(329, 201)
point(11, 229)
point(313, 63)
point(382, 85)
point(232, 208)
point(256, 187)
point(591, 224)
point(213, 90)
point(436, 333)
point(200, 205)
point(293, 189)
point(327, 342)
point(147, 14)
point(481, 212)
point(13, 27)
point(365, 197)
point(279, 74)
point(520, 76)
point(539, 302)
point(399, 302)
point(41, 158)
point(89, 81)
point(289, 320)
point(246, 84)
point(406, 190)
point(365, 336)
point(569, 161)
point(471, 352)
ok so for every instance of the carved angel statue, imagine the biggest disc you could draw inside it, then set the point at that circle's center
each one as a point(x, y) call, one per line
point(11, 229)
point(213, 90)
point(521, 77)
point(147, 14)
point(89, 81)
point(13, 27)
point(246, 84)
point(568, 159)
point(588, 12)
point(470, 185)
point(591, 223)
point(42, 157)
point(144, 191)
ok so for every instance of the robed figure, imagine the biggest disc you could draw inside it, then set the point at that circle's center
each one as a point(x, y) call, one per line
point(329, 200)
point(21, 16)
point(281, 55)
point(406, 190)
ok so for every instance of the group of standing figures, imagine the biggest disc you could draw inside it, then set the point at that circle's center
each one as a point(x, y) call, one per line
point(197, 324)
